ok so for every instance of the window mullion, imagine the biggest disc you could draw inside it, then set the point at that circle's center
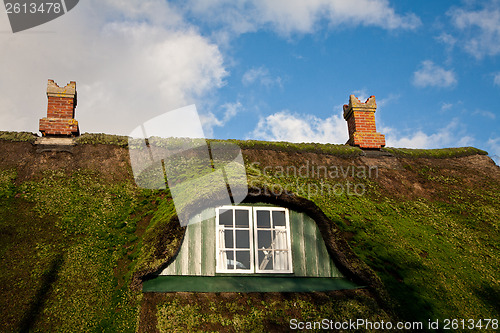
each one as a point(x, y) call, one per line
point(234, 239)
point(255, 245)
point(251, 240)
point(273, 239)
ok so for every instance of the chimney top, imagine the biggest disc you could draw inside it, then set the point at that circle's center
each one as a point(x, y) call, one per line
point(60, 111)
point(360, 119)
point(53, 90)
point(356, 105)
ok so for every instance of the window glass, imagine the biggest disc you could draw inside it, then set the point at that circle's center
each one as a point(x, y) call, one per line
point(263, 219)
point(228, 239)
point(279, 218)
point(242, 218)
point(230, 259)
point(265, 260)
point(281, 260)
point(226, 217)
point(243, 239)
point(242, 259)
point(264, 239)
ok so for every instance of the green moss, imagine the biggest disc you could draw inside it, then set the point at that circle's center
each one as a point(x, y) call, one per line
point(18, 136)
point(186, 143)
point(101, 138)
point(7, 188)
point(431, 255)
point(68, 241)
point(425, 252)
point(435, 153)
point(161, 239)
point(261, 312)
point(321, 148)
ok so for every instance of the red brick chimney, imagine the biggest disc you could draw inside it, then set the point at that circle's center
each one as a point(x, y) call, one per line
point(360, 119)
point(60, 111)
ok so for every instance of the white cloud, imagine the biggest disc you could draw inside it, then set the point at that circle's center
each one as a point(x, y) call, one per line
point(210, 120)
point(370, 12)
point(431, 75)
point(292, 127)
point(496, 79)
point(452, 135)
point(288, 126)
point(446, 106)
point(298, 16)
point(381, 103)
point(131, 61)
point(231, 110)
point(484, 113)
point(361, 94)
point(260, 75)
point(479, 29)
point(447, 39)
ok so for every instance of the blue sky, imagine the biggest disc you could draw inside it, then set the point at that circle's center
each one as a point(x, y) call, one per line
point(270, 70)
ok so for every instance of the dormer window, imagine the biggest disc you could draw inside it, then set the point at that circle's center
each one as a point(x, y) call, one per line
point(253, 240)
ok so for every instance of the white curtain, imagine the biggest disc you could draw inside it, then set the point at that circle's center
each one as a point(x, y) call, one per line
point(280, 257)
point(222, 254)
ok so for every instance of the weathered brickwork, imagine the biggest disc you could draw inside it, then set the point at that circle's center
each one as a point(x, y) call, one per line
point(60, 111)
point(360, 119)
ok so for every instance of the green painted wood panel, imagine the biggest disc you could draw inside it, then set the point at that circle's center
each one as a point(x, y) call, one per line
point(197, 253)
point(310, 257)
point(245, 284)
point(208, 248)
point(193, 254)
point(310, 247)
point(297, 240)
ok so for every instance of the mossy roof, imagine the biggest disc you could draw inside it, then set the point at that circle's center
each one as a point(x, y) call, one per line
point(78, 236)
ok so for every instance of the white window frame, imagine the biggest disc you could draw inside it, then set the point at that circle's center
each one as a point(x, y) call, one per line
point(254, 258)
point(288, 242)
point(219, 228)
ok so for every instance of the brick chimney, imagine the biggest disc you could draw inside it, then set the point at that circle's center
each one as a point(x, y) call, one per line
point(360, 119)
point(60, 111)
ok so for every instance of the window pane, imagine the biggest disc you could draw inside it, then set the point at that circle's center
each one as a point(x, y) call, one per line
point(230, 259)
point(278, 218)
point(226, 217)
point(241, 218)
point(265, 260)
point(279, 239)
point(243, 239)
point(264, 239)
point(281, 260)
point(242, 259)
point(228, 239)
point(263, 219)
point(222, 260)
